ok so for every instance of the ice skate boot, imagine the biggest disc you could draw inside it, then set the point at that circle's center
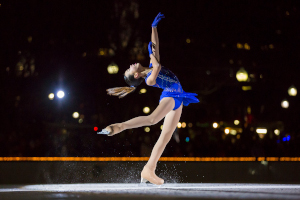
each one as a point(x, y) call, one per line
point(149, 175)
point(106, 132)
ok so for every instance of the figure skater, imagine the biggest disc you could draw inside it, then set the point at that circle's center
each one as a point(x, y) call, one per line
point(170, 103)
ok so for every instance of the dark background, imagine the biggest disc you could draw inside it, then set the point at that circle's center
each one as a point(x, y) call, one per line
point(68, 45)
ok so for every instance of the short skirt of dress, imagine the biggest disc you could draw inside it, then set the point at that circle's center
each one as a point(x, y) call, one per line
point(185, 97)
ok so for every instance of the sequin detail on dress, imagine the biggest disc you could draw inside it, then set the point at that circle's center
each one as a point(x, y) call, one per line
point(171, 86)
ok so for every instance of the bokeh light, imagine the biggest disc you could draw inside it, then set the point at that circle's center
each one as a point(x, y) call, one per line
point(147, 129)
point(113, 68)
point(285, 104)
point(60, 94)
point(236, 122)
point(242, 75)
point(146, 110)
point(51, 96)
point(143, 91)
point(292, 91)
point(226, 131)
point(187, 139)
point(179, 125)
point(261, 130)
point(75, 115)
point(215, 125)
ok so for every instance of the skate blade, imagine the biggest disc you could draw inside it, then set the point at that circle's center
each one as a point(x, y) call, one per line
point(104, 132)
point(143, 180)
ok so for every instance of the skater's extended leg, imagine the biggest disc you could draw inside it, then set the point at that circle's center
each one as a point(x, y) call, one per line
point(164, 107)
point(169, 126)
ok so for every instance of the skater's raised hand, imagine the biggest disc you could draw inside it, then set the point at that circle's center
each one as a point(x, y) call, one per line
point(150, 48)
point(157, 19)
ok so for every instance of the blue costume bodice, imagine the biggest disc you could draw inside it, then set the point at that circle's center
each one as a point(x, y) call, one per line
point(167, 81)
point(171, 86)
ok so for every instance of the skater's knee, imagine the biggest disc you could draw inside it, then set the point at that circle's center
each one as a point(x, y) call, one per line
point(152, 120)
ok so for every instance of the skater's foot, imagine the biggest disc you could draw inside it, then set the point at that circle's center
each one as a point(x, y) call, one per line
point(148, 174)
point(111, 130)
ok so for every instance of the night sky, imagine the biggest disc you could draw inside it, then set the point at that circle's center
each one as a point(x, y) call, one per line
point(198, 41)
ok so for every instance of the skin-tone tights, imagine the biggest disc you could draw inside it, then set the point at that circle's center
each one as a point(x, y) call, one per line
point(164, 109)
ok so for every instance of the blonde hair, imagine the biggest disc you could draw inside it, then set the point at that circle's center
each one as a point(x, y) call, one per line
point(120, 91)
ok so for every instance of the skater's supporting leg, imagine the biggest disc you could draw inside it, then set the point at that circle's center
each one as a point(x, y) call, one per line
point(165, 106)
point(170, 123)
point(169, 126)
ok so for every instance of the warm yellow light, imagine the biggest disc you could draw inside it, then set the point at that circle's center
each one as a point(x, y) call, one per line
point(29, 39)
point(183, 124)
point(277, 132)
point(80, 121)
point(226, 131)
point(287, 13)
point(190, 125)
point(143, 91)
point(261, 130)
point(102, 51)
point(179, 125)
point(271, 46)
point(51, 96)
point(238, 136)
point(64, 131)
point(161, 127)
point(146, 110)
point(21, 68)
point(233, 132)
point(84, 54)
point(113, 68)
point(245, 88)
point(239, 45)
point(75, 115)
point(246, 46)
point(292, 91)
point(242, 75)
point(188, 40)
point(285, 104)
point(147, 129)
point(215, 125)
point(236, 122)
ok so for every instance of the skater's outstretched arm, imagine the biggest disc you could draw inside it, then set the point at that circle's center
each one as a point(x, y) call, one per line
point(154, 36)
point(155, 43)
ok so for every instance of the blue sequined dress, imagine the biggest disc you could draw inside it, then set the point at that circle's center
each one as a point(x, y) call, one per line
point(172, 88)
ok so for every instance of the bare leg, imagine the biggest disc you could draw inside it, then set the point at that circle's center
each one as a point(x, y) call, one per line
point(164, 107)
point(170, 124)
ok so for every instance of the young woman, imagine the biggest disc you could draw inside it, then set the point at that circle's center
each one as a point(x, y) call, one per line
point(170, 104)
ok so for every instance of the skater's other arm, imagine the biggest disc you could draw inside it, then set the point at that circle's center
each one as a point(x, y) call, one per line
point(156, 69)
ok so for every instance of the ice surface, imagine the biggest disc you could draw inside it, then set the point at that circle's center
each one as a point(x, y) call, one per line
point(169, 190)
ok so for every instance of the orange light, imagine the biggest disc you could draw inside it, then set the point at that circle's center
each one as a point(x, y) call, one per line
point(173, 159)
